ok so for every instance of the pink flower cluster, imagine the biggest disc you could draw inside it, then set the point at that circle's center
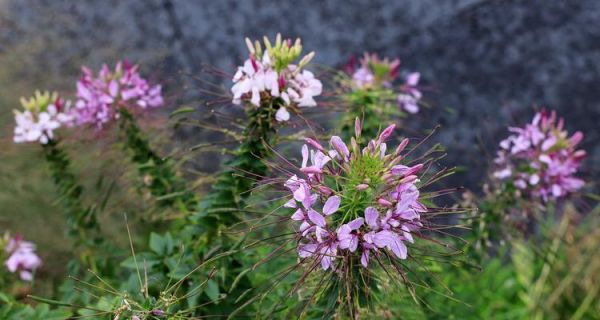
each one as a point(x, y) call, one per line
point(340, 215)
point(99, 97)
point(38, 124)
point(22, 258)
point(257, 81)
point(375, 72)
point(540, 159)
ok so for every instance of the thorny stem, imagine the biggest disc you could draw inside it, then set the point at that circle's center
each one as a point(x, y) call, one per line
point(158, 174)
point(81, 220)
point(230, 191)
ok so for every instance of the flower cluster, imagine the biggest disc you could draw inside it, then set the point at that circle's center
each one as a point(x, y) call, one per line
point(272, 74)
point(373, 72)
point(21, 257)
point(99, 97)
point(44, 113)
point(354, 202)
point(540, 159)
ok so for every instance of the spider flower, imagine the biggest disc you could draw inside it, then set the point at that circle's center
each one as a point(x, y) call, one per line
point(21, 258)
point(540, 159)
point(355, 203)
point(43, 113)
point(100, 96)
point(373, 73)
point(272, 76)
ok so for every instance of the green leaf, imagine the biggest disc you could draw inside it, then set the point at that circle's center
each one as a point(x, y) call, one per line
point(212, 290)
point(158, 244)
point(182, 110)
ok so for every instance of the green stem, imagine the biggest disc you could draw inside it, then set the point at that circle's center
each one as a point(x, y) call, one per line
point(80, 219)
point(224, 206)
point(158, 174)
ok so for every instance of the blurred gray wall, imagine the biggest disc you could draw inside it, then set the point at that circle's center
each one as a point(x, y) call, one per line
point(490, 62)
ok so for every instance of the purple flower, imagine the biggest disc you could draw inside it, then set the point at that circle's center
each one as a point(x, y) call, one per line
point(22, 258)
point(339, 228)
point(540, 159)
point(410, 96)
point(374, 71)
point(347, 236)
point(99, 97)
point(378, 75)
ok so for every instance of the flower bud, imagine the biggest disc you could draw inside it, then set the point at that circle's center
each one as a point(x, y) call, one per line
point(386, 133)
point(315, 144)
point(325, 190)
point(362, 187)
point(311, 169)
point(340, 147)
point(250, 46)
point(357, 128)
point(401, 146)
point(384, 202)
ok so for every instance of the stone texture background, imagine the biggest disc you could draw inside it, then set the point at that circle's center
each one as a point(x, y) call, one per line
point(490, 61)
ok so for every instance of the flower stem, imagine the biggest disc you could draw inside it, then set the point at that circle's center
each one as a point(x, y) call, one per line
point(224, 206)
point(81, 220)
point(158, 174)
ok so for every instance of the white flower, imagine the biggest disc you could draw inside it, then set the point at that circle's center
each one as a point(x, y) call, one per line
point(282, 115)
point(303, 88)
point(40, 127)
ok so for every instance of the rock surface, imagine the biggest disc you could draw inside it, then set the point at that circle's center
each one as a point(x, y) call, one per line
point(491, 62)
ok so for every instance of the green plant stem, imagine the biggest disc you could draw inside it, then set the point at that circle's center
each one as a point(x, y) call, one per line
point(82, 221)
point(158, 174)
point(224, 206)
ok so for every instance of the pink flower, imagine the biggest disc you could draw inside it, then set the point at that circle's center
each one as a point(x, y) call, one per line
point(258, 82)
point(410, 96)
point(363, 77)
point(22, 258)
point(540, 159)
point(339, 228)
point(99, 97)
point(374, 73)
point(43, 114)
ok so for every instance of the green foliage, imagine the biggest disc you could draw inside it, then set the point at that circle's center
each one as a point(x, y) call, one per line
point(12, 310)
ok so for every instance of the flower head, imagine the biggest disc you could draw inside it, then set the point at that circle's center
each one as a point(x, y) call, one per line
point(100, 96)
point(21, 258)
point(540, 159)
point(354, 202)
point(43, 113)
point(272, 75)
point(375, 74)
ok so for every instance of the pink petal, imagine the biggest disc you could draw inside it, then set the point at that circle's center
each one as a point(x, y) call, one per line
point(371, 216)
point(331, 205)
point(316, 218)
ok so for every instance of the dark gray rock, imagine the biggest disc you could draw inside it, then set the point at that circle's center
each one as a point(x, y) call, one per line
point(491, 62)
